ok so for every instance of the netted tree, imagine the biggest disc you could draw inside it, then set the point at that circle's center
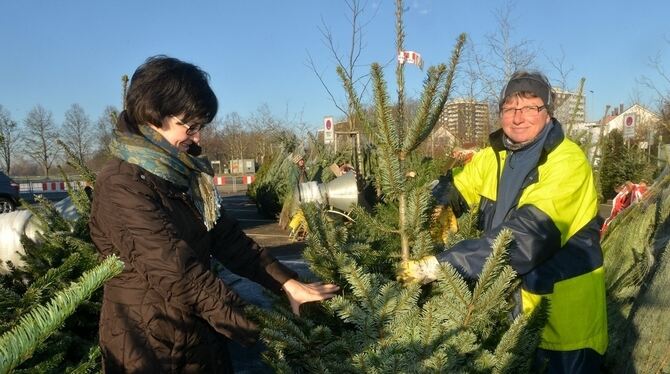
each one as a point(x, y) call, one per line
point(49, 305)
point(637, 259)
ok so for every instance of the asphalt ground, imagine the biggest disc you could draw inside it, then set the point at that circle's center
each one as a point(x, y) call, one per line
point(267, 233)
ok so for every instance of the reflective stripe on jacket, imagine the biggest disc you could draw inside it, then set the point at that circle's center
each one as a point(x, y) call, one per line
point(555, 224)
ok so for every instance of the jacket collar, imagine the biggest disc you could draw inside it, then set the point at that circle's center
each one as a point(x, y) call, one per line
point(554, 138)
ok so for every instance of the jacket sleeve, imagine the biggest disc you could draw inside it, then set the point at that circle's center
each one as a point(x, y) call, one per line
point(446, 193)
point(550, 212)
point(245, 257)
point(147, 241)
point(536, 238)
point(461, 188)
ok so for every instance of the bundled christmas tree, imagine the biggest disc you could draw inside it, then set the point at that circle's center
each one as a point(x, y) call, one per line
point(49, 306)
point(378, 324)
point(637, 263)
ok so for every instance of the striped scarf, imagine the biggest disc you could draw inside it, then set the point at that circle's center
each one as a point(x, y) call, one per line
point(153, 153)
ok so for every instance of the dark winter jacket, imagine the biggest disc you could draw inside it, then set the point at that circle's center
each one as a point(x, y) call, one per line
point(167, 312)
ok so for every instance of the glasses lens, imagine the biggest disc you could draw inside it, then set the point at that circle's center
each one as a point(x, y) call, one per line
point(193, 129)
point(508, 112)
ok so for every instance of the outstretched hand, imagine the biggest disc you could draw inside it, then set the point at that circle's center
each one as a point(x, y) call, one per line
point(299, 293)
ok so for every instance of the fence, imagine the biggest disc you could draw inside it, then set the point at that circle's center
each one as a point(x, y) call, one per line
point(233, 183)
point(57, 189)
point(53, 190)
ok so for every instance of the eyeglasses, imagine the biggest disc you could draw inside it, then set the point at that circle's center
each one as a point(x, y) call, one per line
point(190, 129)
point(529, 110)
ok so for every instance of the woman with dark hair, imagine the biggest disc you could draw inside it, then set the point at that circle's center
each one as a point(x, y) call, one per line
point(155, 207)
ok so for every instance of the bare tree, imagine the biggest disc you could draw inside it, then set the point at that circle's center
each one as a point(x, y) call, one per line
point(501, 55)
point(212, 142)
point(77, 132)
point(233, 133)
point(661, 84)
point(9, 138)
point(561, 68)
point(267, 129)
point(348, 61)
point(105, 127)
point(41, 134)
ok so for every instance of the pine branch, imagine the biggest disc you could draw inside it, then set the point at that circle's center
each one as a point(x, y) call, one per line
point(9, 302)
point(387, 136)
point(424, 123)
point(372, 223)
point(395, 301)
point(351, 312)
point(448, 82)
point(422, 245)
point(18, 344)
point(495, 263)
point(47, 282)
point(454, 292)
point(418, 205)
point(516, 348)
point(363, 285)
point(91, 364)
point(420, 122)
point(47, 216)
point(355, 102)
point(492, 305)
point(78, 164)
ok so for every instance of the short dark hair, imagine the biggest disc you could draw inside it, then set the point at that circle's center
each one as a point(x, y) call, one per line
point(529, 84)
point(164, 86)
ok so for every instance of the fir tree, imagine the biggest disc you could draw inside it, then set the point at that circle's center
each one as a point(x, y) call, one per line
point(636, 262)
point(379, 325)
point(62, 254)
point(621, 163)
point(34, 326)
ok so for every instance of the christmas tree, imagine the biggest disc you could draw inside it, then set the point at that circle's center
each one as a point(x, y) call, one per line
point(638, 283)
point(49, 306)
point(379, 324)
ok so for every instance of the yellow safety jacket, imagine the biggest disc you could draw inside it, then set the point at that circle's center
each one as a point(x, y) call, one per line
point(556, 250)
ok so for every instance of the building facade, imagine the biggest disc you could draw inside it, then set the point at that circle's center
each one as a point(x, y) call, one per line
point(466, 120)
point(569, 107)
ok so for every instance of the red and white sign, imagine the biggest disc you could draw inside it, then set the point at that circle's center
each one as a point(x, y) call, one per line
point(328, 130)
point(629, 122)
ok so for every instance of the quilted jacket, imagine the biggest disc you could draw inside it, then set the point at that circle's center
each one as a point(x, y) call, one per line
point(167, 311)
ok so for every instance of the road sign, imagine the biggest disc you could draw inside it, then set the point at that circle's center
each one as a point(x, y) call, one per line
point(629, 122)
point(328, 130)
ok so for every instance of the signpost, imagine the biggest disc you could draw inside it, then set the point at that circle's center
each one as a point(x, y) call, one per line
point(328, 130)
point(629, 122)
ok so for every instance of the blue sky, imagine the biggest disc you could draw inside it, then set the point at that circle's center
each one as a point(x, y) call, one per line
point(56, 53)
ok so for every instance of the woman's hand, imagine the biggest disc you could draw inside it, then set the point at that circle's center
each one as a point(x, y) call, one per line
point(299, 293)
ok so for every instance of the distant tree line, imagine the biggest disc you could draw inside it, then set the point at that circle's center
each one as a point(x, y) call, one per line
point(28, 146)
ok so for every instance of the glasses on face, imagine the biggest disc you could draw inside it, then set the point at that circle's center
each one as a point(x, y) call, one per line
point(529, 110)
point(190, 129)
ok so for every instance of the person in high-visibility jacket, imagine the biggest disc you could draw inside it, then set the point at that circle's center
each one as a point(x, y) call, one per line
point(537, 183)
